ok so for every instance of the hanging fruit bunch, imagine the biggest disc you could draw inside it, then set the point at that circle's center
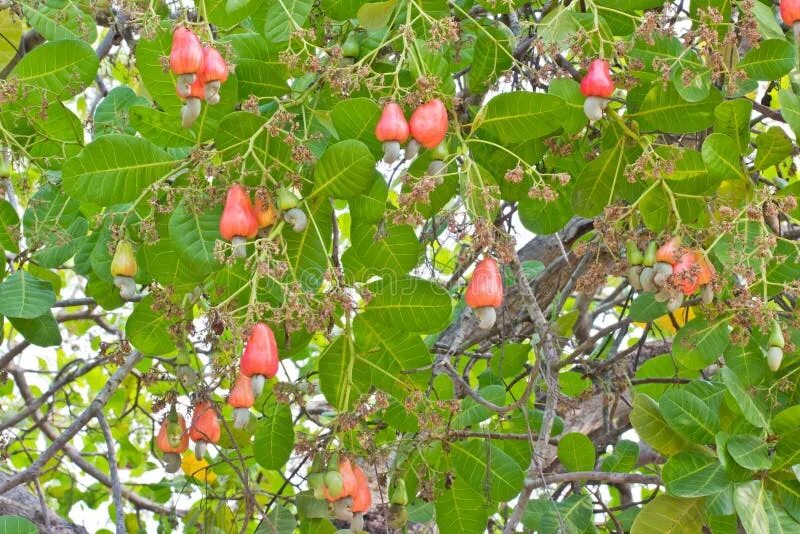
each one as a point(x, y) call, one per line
point(776, 346)
point(485, 292)
point(597, 87)
point(239, 221)
point(205, 427)
point(241, 400)
point(172, 440)
point(124, 269)
point(260, 358)
point(344, 485)
point(670, 271)
point(294, 216)
point(200, 71)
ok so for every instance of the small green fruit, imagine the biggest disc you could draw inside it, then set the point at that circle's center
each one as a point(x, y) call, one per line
point(286, 199)
point(351, 47)
point(776, 336)
point(650, 254)
point(334, 483)
point(398, 516)
point(399, 494)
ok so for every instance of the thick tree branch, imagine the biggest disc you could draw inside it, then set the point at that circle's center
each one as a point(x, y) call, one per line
point(596, 476)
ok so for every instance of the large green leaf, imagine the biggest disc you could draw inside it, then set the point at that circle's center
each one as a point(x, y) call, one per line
point(721, 156)
point(787, 453)
point(42, 331)
point(284, 17)
point(472, 412)
point(114, 169)
point(9, 227)
point(160, 84)
point(689, 416)
point(460, 509)
point(258, 68)
point(753, 410)
point(309, 250)
point(63, 68)
point(699, 343)
point(227, 13)
point(274, 439)
point(356, 118)
point(599, 181)
point(773, 146)
point(519, 116)
point(750, 452)
point(242, 134)
point(345, 170)
point(485, 466)
point(790, 109)
point(162, 261)
point(732, 118)
point(664, 110)
point(60, 19)
point(758, 512)
point(336, 367)
point(13, 524)
point(24, 296)
point(112, 114)
point(770, 60)
point(53, 224)
point(148, 329)
point(624, 457)
point(389, 252)
point(194, 231)
point(491, 56)
point(669, 514)
point(163, 129)
point(576, 452)
point(411, 304)
point(693, 474)
point(653, 428)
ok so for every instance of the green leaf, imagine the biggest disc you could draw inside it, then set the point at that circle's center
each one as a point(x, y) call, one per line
point(356, 118)
point(519, 116)
point(655, 209)
point(770, 60)
point(599, 181)
point(336, 373)
point(790, 109)
point(491, 56)
point(732, 118)
point(148, 330)
point(753, 411)
point(233, 140)
point(345, 170)
point(767, 23)
point(370, 207)
point(570, 92)
point(53, 224)
point(162, 261)
point(42, 331)
point(669, 514)
point(576, 452)
point(645, 308)
point(60, 19)
point(757, 511)
point(63, 68)
point(411, 304)
point(787, 453)
point(9, 227)
point(389, 252)
point(274, 439)
point(114, 169)
point(13, 524)
point(112, 114)
point(278, 521)
point(653, 428)
point(24, 296)
point(623, 459)
point(721, 156)
point(375, 15)
point(749, 451)
point(786, 420)
point(308, 251)
point(471, 412)
point(194, 231)
point(773, 147)
point(486, 467)
point(228, 13)
point(160, 84)
point(689, 416)
point(664, 110)
point(258, 68)
point(699, 343)
point(460, 509)
point(163, 129)
point(693, 474)
point(284, 17)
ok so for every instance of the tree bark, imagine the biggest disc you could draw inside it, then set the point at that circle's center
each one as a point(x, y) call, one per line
point(19, 501)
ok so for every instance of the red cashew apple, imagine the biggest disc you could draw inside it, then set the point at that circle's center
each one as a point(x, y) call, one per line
point(124, 268)
point(362, 497)
point(205, 427)
point(597, 87)
point(790, 14)
point(241, 400)
point(260, 358)
point(214, 74)
point(485, 292)
point(428, 126)
point(185, 58)
point(173, 440)
point(392, 130)
point(239, 221)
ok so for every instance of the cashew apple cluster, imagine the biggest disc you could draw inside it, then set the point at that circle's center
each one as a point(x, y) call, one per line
point(485, 292)
point(344, 485)
point(427, 128)
point(670, 271)
point(241, 220)
point(201, 71)
point(597, 86)
point(173, 439)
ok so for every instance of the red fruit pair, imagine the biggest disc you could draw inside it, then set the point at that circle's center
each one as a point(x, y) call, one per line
point(173, 440)
point(354, 485)
point(201, 70)
point(485, 292)
point(260, 358)
point(597, 86)
point(241, 400)
point(427, 127)
point(690, 268)
point(205, 427)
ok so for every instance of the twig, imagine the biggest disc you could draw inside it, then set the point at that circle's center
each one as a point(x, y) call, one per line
point(116, 488)
point(595, 476)
point(45, 512)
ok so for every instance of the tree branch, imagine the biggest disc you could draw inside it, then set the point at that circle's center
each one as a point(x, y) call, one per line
point(116, 487)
